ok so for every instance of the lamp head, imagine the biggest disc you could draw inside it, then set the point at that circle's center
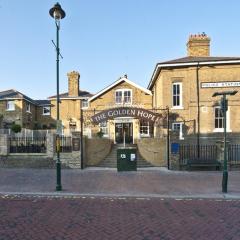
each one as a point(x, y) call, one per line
point(57, 12)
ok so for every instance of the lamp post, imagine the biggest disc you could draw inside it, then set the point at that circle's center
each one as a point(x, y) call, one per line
point(224, 108)
point(57, 13)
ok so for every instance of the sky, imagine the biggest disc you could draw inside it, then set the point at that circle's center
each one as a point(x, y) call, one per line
point(103, 40)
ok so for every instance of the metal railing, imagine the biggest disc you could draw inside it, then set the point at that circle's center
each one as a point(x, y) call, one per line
point(207, 153)
point(27, 145)
point(234, 154)
point(65, 144)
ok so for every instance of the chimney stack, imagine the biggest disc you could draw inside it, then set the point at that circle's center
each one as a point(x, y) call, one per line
point(198, 45)
point(73, 84)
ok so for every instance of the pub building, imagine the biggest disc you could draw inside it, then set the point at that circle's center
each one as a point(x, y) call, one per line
point(121, 112)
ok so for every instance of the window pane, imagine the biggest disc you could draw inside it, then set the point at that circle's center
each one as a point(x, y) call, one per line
point(118, 96)
point(127, 96)
point(176, 94)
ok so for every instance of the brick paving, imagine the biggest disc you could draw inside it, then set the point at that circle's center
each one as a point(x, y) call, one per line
point(103, 218)
point(160, 183)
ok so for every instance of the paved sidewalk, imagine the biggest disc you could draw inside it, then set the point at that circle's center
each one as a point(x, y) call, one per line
point(154, 182)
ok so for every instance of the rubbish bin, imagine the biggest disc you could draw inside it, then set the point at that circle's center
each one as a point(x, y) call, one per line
point(126, 159)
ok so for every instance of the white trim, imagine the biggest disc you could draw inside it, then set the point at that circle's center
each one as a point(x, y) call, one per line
point(228, 121)
point(85, 107)
point(180, 106)
point(123, 90)
point(7, 106)
point(28, 110)
point(116, 83)
point(142, 135)
point(187, 64)
point(46, 114)
point(180, 130)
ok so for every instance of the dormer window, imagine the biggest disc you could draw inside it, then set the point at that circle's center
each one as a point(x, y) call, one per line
point(123, 96)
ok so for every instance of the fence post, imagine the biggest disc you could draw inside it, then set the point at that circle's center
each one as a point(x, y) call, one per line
point(51, 144)
point(4, 145)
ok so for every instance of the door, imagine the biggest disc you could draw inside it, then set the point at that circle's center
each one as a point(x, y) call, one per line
point(123, 132)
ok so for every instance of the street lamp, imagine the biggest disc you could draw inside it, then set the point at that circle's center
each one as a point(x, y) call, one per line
point(224, 108)
point(57, 13)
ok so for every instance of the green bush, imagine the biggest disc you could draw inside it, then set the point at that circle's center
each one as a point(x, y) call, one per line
point(100, 134)
point(16, 128)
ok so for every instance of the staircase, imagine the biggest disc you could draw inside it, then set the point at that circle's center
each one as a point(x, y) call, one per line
point(111, 160)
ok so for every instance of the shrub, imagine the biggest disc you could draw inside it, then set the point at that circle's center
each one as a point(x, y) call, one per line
point(100, 134)
point(16, 128)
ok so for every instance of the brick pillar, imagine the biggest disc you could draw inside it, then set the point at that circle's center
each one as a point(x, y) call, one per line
point(4, 145)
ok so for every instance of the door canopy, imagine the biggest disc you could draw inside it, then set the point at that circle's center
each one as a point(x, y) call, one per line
point(112, 113)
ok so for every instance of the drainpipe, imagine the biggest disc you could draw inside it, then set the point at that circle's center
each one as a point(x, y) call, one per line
point(198, 112)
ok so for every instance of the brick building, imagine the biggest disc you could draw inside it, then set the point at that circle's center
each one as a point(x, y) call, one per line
point(18, 108)
point(187, 84)
point(117, 100)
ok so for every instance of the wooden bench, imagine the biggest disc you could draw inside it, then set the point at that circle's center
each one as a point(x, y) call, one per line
point(203, 163)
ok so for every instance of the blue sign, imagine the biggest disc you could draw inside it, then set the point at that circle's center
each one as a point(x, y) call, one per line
point(174, 148)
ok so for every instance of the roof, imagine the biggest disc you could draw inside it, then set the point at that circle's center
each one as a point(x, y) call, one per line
point(13, 94)
point(199, 59)
point(82, 94)
point(191, 61)
point(123, 79)
point(43, 102)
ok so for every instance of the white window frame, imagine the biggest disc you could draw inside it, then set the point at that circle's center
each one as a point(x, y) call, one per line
point(28, 107)
point(48, 113)
point(174, 128)
point(10, 105)
point(104, 129)
point(228, 121)
point(85, 101)
point(122, 96)
point(180, 106)
point(148, 129)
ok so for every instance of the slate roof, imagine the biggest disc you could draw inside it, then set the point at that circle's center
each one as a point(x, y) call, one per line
point(82, 94)
point(43, 102)
point(199, 59)
point(11, 93)
point(188, 61)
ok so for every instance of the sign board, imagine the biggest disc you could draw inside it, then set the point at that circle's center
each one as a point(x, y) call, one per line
point(112, 113)
point(220, 84)
point(174, 148)
point(76, 144)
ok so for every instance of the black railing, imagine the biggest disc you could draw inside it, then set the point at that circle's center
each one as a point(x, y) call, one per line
point(27, 145)
point(234, 154)
point(65, 144)
point(190, 152)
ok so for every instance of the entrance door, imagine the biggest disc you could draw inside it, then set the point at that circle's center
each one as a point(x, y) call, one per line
point(123, 130)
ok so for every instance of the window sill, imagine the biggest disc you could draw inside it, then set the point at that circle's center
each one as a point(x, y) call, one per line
point(144, 135)
point(177, 108)
point(10, 110)
point(28, 112)
point(221, 130)
point(46, 114)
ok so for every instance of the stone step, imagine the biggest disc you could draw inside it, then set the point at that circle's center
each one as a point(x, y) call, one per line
point(111, 159)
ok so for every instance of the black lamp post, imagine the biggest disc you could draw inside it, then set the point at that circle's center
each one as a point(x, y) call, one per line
point(224, 108)
point(57, 13)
